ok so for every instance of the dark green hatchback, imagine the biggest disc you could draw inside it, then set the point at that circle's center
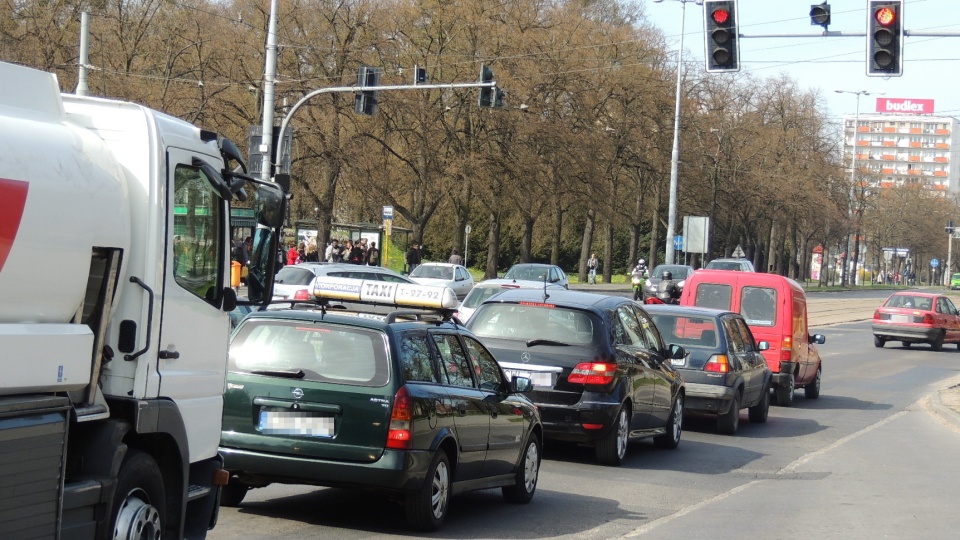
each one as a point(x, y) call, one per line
point(409, 404)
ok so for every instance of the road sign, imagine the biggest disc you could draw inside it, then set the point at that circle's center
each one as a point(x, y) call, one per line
point(934, 262)
point(678, 243)
point(738, 252)
point(387, 212)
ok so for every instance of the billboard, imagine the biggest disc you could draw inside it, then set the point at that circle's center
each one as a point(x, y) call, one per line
point(904, 106)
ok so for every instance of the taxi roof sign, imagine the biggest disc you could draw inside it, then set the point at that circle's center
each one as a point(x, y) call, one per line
point(385, 292)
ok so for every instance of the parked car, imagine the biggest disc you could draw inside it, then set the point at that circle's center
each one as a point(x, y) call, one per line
point(680, 273)
point(409, 405)
point(916, 317)
point(489, 287)
point(296, 281)
point(955, 282)
point(737, 265)
point(601, 373)
point(775, 309)
point(724, 370)
point(538, 272)
point(442, 274)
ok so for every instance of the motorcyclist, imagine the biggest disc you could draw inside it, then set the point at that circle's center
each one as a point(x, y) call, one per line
point(638, 275)
point(667, 290)
point(640, 268)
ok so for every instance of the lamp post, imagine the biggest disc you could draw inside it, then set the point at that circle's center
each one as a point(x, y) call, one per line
point(675, 154)
point(852, 236)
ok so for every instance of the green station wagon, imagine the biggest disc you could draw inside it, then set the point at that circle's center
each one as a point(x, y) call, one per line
point(410, 403)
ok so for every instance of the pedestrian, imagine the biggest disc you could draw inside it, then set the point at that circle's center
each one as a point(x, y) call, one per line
point(293, 256)
point(357, 253)
point(312, 255)
point(455, 258)
point(413, 256)
point(373, 255)
point(332, 248)
point(246, 249)
point(592, 264)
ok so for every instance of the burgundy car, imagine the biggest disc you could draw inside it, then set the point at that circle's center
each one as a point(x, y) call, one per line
point(917, 317)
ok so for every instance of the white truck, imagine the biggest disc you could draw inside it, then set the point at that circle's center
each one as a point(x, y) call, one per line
point(115, 293)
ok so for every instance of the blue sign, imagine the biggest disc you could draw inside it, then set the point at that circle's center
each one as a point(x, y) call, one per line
point(934, 262)
point(387, 212)
point(678, 242)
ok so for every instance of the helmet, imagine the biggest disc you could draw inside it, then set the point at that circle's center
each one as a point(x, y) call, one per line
point(641, 261)
point(667, 275)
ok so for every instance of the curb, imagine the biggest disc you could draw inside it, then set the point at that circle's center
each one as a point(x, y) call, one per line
point(944, 412)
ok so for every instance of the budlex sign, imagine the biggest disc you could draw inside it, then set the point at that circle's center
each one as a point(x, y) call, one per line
point(904, 106)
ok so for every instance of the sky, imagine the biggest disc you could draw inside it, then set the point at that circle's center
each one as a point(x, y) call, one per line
point(931, 67)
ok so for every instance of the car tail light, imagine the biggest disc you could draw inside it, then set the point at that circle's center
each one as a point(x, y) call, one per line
point(718, 363)
point(876, 315)
point(593, 373)
point(302, 294)
point(927, 318)
point(786, 348)
point(401, 421)
point(510, 286)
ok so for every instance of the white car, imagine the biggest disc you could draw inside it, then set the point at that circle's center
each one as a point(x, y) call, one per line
point(491, 287)
point(440, 274)
point(295, 281)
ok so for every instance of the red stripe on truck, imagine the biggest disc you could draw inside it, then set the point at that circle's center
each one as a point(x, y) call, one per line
point(13, 198)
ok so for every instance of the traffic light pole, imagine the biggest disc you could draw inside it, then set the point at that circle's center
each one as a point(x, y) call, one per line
point(342, 89)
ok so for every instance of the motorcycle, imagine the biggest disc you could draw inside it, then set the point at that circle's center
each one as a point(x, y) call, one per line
point(668, 292)
point(637, 278)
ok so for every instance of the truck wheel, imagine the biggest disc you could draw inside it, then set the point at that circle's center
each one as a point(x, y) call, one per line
point(613, 448)
point(785, 393)
point(426, 508)
point(232, 494)
point(878, 342)
point(671, 439)
point(759, 412)
point(937, 343)
point(729, 422)
point(139, 509)
point(812, 390)
point(527, 474)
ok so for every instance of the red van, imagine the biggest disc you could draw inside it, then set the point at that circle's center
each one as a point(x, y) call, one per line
point(775, 309)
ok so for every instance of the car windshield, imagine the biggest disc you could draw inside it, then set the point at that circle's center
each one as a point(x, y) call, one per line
point(696, 332)
point(909, 301)
point(532, 273)
point(310, 351)
point(294, 275)
point(433, 272)
point(533, 322)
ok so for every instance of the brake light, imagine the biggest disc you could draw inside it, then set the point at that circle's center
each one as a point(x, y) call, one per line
point(302, 294)
point(593, 373)
point(876, 315)
point(927, 318)
point(718, 363)
point(401, 421)
point(786, 348)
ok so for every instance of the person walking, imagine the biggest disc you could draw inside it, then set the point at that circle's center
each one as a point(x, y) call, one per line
point(592, 264)
point(373, 255)
point(293, 256)
point(455, 258)
point(413, 256)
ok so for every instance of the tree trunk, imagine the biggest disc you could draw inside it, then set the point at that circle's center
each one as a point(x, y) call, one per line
point(557, 231)
point(608, 252)
point(585, 245)
point(526, 241)
point(493, 247)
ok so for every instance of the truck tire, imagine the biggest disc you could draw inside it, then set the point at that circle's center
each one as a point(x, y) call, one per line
point(527, 475)
point(812, 390)
point(611, 449)
point(785, 393)
point(729, 422)
point(759, 412)
point(232, 494)
point(427, 507)
point(139, 509)
point(671, 439)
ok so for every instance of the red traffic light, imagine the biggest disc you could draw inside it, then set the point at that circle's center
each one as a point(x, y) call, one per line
point(885, 16)
point(720, 16)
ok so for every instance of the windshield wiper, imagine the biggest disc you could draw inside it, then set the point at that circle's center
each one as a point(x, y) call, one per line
point(539, 341)
point(289, 374)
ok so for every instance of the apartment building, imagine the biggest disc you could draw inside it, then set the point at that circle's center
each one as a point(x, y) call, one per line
point(903, 142)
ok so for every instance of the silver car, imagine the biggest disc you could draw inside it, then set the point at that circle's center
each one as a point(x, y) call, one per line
point(680, 272)
point(492, 287)
point(441, 274)
point(737, 265)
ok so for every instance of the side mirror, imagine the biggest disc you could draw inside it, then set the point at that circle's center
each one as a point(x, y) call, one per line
point(677, 352)
point(229, 299)
point(763, 346)
point(521, 385)
point(818, 339)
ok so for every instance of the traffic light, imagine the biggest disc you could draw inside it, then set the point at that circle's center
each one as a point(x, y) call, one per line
point(885, 38)
point(366, 100)
point(487, 93)
point(722, 39)
point(820, 15)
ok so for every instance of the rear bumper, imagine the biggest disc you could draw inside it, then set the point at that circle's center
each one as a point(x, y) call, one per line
point(783, 377)
point(396, 471)
point(907, 332)
point(707, 398)
point(565, 422)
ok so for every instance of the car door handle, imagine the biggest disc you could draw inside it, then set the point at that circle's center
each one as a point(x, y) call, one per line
point(462, 408)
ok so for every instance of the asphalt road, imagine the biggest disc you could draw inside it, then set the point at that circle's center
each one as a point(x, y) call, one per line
point(873, 457)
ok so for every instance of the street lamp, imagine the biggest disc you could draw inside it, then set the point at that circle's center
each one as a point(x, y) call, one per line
point(675, 154)
point(852, 237)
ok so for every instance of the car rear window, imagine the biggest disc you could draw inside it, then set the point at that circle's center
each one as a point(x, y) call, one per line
point(533, 321)
point(908, 301)
point(533, 273)
point(322, 352)
point(479, 294)
point(292, 275)
point(713, 295)
point(433, 272)
point(758, 305)
point(697, 332)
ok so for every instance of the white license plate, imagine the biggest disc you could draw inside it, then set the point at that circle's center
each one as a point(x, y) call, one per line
point(678, 361)
point(538, 379)
point(295, 423)
point(901, 318)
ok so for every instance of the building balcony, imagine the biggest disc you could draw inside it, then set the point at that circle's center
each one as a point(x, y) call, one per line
point(864, 129)
point(941, 160)
point(889, 143)
point(941, 145)
point(914, 158)
point(914, 130)
point(940, 173)
point(863, 143)
point(915, 145)
point(943, 132)
point(887, 157)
